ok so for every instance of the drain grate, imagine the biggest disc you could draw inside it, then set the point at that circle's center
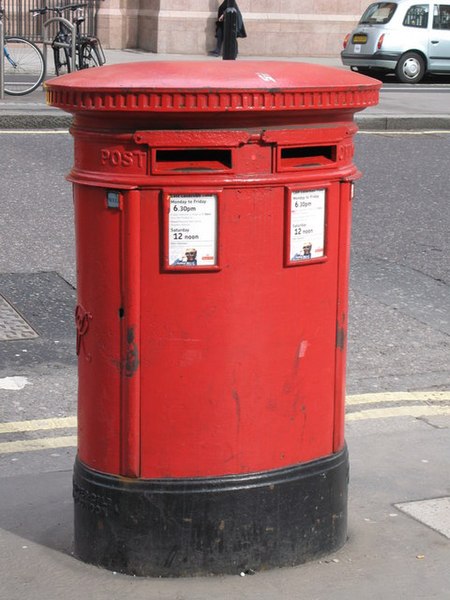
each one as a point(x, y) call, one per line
point(12, 325)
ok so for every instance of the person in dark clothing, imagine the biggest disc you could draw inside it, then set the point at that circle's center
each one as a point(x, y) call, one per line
point(241, 33)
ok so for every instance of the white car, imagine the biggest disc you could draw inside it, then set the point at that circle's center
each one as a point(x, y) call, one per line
point(406, 37)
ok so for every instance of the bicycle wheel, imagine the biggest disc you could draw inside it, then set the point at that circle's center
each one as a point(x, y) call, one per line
point(90, 56)
point(24, 66)
point(61, 58)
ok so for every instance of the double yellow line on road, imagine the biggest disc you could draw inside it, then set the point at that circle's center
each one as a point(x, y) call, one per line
point(413, 404)
point(66, 441)
point(38, 424)
point(409, 404)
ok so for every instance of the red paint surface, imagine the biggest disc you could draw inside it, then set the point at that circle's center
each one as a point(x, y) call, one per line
point(210, 76)
point(227, 371)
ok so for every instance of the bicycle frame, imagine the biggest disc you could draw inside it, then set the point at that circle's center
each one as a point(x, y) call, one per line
point(72, 29)
point(8, 55)
point(25, 67)
point(68, 41)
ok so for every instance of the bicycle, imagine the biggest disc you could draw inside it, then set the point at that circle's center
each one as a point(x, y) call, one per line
point(88, 49)
point(23, 64)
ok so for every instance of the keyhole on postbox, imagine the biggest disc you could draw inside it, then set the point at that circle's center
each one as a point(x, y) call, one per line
point(132, 356)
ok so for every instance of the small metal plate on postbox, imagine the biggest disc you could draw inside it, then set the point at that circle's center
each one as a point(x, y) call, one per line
point(113, 199)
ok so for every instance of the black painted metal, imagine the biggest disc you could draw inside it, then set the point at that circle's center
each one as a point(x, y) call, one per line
point(231, 524)
point(19, 20)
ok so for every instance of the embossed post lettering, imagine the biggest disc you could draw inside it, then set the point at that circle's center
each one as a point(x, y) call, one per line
point(122, 158)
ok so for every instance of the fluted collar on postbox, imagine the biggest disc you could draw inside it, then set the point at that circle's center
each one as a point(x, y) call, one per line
point(193, 94)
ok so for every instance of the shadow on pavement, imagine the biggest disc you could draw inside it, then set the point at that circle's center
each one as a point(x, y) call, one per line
point(39, 508)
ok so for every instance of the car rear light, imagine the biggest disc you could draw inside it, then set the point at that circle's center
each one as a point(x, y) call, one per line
point(380, 41)
point(345, 42)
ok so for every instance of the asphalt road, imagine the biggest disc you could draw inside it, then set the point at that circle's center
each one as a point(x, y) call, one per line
point(399, 329)
point(400, 254)
point(399, 341)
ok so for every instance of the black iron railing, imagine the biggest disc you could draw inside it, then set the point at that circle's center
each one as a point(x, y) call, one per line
point(19, 20)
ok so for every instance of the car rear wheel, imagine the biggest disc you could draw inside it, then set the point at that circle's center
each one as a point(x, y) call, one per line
point(410, 68)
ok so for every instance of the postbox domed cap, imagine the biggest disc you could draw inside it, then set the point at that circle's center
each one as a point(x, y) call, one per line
point(212, 87)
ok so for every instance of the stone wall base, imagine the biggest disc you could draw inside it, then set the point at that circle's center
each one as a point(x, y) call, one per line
point(297, 28)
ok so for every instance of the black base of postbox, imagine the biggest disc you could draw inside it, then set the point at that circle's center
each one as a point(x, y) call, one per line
point(227, 525)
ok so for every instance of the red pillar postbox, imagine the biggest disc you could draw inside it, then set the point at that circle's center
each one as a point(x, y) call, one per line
point(212, 210)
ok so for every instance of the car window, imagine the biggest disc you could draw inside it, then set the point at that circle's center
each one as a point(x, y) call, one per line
point(441, 16)
point(380, 13)
point(417, 16)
